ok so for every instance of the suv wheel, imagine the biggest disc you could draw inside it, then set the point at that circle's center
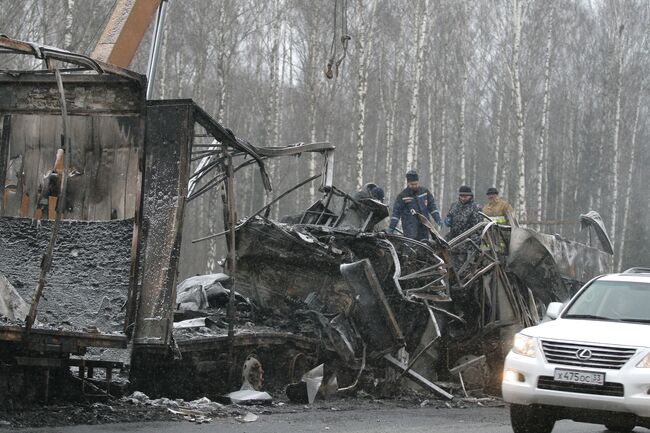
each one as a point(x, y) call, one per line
point(530, 419)
point(621, 427)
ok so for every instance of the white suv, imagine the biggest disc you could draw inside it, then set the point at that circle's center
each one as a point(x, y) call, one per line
point(590, 364)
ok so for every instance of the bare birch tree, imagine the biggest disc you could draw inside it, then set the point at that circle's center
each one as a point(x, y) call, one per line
point(618, 73)
point(628, 183)
point(464, 60)
point(543, 132)
point(518, 7)
point(364, 46)
point(411, 151)
point(67, 38)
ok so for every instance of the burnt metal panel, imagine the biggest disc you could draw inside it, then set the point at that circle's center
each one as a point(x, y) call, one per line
point(4, 155)
point(89, 279)
point(168, 139)
point(593, 220)
point(544, 261)
point(28, 92)
point(375, 317)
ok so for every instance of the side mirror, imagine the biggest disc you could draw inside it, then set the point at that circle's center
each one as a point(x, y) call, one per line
point(553, 310)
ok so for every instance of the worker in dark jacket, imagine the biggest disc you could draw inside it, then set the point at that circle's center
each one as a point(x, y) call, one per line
point(413, 200)
point(464, 214)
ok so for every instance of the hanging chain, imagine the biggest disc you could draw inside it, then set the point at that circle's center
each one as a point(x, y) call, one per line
point(344, 37)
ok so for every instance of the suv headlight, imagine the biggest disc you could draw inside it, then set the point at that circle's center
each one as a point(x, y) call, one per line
point(524, 345)
point(645, 362)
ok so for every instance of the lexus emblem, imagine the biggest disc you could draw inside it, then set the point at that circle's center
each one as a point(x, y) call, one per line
point(583, 354)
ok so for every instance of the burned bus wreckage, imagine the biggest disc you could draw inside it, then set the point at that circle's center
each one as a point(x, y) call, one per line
point(94, 185)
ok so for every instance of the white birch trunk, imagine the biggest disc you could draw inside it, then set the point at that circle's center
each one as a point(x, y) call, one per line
point(272, 115)
point(541, 147)
point(376, 174)
point(364, 47)
point(67, 38)
point(278, 116)
point(465, 56)
point(274, 61)
point(628, 186)
point(223, 57)
point(517, 12)
point(497, 140)
point(430, 148)
point(561, 197)
point(389, 104)
point(545, 188)
point(504, 174)
point(411, 150)
point(389, 121)
point(443, 149)
point(461, 129)
point(615, 135)
point(313, 97)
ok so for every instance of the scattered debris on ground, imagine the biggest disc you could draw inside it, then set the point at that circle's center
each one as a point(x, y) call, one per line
point(139, 408)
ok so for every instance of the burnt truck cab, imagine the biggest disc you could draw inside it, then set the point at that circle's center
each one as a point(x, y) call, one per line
point(93, 170)
point(112, 274)
point(89, 283)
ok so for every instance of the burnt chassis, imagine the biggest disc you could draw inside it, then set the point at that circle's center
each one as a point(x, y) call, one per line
point(83, 92)
point(443, 310)
point(438, 313)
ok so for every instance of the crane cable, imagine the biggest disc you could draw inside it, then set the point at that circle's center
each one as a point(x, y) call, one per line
point(345, 38)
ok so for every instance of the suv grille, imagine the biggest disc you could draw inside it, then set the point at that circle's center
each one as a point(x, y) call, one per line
point(613, 358)
point(609, 388)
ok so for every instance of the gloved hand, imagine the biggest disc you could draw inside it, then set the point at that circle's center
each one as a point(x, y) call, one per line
point(437, 218)
point(448, 222)
point(390, 230)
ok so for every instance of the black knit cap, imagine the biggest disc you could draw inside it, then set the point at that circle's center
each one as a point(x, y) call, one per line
point(377, 193)
point(492, 190)
point(412, 176)
point(465, 190)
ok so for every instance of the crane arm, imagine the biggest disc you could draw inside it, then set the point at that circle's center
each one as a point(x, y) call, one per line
point(124, 31)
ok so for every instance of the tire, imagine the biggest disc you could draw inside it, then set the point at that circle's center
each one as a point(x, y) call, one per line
point(620, 427)
point(530, 419)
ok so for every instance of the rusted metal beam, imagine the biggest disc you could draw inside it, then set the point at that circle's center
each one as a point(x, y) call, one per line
point(220, 343)
point(4, 155)
point(48, 340)
point(232, 264)
point(124, 31)
point(418, 377)
point(169, 135)
point(373, 314)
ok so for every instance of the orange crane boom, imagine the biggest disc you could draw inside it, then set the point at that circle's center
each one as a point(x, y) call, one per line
point(124, 31)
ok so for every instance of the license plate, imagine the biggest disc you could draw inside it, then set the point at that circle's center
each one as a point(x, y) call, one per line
point(578, 376)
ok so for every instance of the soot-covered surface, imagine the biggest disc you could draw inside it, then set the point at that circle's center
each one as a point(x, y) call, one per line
point(88, 283)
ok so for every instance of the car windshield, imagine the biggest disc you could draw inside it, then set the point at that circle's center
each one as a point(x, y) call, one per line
point(620, 301)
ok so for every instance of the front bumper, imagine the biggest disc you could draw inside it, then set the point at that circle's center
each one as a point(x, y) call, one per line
point(635, 381)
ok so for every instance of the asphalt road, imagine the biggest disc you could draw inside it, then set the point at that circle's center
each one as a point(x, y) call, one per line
point(389, 420)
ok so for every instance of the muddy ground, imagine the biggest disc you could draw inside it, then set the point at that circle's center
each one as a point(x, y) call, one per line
point(130, 410)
